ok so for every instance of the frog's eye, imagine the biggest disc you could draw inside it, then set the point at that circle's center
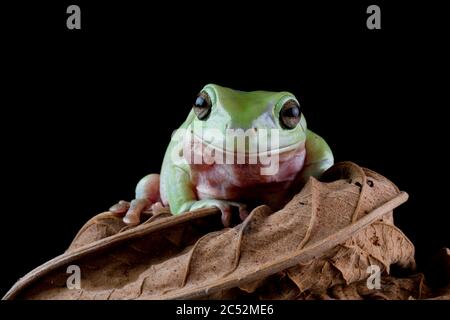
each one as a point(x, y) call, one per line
point(290, 114)
point(202, 105)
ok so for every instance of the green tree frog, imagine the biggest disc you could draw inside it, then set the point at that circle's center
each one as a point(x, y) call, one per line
point(235, 150)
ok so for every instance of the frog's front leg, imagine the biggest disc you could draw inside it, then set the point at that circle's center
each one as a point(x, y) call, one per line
point(147, 196)
point(181, 196)
point(318, 158)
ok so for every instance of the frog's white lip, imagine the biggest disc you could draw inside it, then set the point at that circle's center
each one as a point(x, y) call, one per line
point(271, 152)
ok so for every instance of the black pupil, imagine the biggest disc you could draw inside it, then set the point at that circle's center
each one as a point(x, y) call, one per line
point(201, 102)
point(292, 112)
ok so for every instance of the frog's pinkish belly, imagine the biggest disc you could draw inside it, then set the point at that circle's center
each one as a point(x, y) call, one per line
point(245, 183)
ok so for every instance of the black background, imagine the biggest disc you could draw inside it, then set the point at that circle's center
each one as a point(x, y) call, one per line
point(86, 113)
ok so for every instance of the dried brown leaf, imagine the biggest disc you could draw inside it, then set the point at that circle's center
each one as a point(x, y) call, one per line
point(319, 232)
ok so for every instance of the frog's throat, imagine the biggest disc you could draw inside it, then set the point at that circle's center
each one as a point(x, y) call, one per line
point(297, 146)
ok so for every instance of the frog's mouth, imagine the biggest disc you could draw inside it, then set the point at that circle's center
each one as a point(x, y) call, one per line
point(246, 149)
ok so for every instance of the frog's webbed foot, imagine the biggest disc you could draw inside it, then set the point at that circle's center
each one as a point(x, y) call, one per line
point(147, 196)
point(226, 207)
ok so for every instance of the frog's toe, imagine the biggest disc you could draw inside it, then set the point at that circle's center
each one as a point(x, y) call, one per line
point(133, 215)
point(226, 207)
point(120, 208)
point(227, 212)
point(226, 216)
point(157, 207)
point(243, 212)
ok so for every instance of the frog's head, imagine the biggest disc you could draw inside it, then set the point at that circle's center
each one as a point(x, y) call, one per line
point(220, 109)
